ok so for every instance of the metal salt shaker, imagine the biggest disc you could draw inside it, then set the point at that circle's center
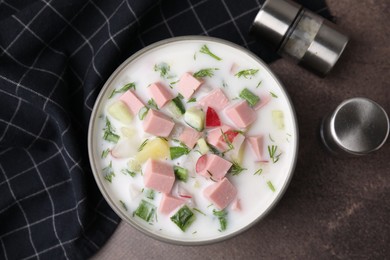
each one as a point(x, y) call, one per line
point(299, 34)
point(356, 127)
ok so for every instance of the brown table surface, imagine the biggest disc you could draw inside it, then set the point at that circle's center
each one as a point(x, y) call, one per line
point(334, 207)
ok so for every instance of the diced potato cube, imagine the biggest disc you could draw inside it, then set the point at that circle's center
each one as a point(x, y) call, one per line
point(157, 148)
point(278, 119)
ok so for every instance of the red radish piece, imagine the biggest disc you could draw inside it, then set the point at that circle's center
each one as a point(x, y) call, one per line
point(183, 192)
point(212, 118)
point(201, 163)
point(230, 135)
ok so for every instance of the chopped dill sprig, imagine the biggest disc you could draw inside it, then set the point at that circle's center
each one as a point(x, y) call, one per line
point(152, 103)
point(208, 72)
point(271, 186)
point(259, 84)
point(108, 172)
point(163, 68)
point(258, 172)
point(198, 210)
point(122, 89)
point(272, 153)
point(109, 132)
point(105, 153)
point(236, 168)
point(191, 100)
point(249, 73)
point(206, 50)
point(273, 94)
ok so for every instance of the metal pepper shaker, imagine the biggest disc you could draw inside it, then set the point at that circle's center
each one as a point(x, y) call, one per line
point(356, 127)
point(299, 34)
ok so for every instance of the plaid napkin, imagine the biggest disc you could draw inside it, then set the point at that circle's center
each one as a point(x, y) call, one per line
point(54, 58)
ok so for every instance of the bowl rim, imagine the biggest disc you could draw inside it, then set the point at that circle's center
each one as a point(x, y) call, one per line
point(94, 117)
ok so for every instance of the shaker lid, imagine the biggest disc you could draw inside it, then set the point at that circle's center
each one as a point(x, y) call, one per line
point(358, 126)
point(274, 19)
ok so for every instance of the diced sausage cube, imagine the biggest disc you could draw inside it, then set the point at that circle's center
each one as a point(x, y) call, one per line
point(215, 99)
point(264, 100)
point(221, 193)
point(169, 203)
point(132, 101)
point(256, 143)
point(241, 114)
point(160, 94)
point(215, 137)
point(189, 137)
point(213, 166)
point(158, 124)
point(159, 176)
point(188, 84)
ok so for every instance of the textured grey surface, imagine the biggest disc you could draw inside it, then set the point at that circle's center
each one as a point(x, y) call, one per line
point(334, 208)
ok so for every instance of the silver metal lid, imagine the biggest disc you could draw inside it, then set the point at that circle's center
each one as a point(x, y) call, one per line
point(274, 19)
point(357, 126)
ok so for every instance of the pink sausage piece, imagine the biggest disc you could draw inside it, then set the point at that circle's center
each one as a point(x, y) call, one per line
point(241, 114)
point(213, 167)
point(256, 143)
point(215, 99)
point(160, 94)
point(264, 100)
point(189, 137)
point(132, 101)
point(221, 193)
point(158, 124)
point(188, 84)
point(169, 203)
point(159, 176)
point(215, 138)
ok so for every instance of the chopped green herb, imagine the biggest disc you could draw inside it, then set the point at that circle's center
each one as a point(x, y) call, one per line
point(210, 205)
point(236, 169)
point(150, 194)
point(270, 138)
point(195, 56)
point(194, 232)
point(109, 134)
point(198, 210)
point(191, 100)
point(180, 96)
point(123, 205)
point(251, 98)
point(128, 172)
point(271, 186)
point(227, 141)
point(123, 89)
point(152, 103)
point(105, 153)
point(163, 68)
point(259, 84)
point(213, 149)
point(173, 83)
point(145, 211)
point(143, 145)
point(209, 72)
point(221, 214)
point(205, 50)
point(273, 94)
point(246, 73)
point(178, 151)
point(180, 173)
point(258, 172)
point(183, 218)
point(108, 172)
point(143, 112)
point(272, 153)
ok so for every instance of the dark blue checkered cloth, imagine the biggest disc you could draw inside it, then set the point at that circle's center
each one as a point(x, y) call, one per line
point(54, 58)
